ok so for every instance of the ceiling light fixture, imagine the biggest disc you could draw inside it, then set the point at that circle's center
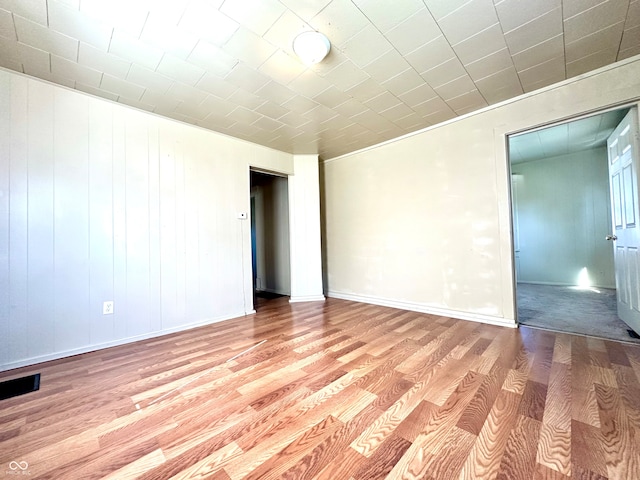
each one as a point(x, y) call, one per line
point(311, 47)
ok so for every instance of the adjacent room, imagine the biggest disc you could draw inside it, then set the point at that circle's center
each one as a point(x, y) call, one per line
point(333, 239)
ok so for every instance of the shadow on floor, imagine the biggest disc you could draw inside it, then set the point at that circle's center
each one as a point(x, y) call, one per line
point(572, 309)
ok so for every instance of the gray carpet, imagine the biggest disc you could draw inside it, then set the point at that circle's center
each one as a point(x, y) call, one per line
point(569, 309)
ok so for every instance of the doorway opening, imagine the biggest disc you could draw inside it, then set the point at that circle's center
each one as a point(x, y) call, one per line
point(565, 271)
point(270, 252)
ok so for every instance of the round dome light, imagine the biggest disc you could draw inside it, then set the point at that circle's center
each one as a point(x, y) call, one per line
point(311, 47)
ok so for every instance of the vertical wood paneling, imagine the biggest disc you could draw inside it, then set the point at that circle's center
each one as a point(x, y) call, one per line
point(18, 344)
point(120, 307)
point(100, 219)
point(99, 202)
point(41, 273)
point(5, 152)
point(71, 216)
point(192, 227)
point(168, 267)
point(137, 224)
point(154, 227)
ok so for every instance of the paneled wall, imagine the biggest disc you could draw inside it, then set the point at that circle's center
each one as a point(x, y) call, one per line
point(100, 202)
point(563, 218)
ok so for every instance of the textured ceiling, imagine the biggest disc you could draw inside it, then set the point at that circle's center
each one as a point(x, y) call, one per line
point(569, 137)
point(394, 67)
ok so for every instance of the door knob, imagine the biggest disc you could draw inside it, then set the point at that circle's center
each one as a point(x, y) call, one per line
point(611, 237)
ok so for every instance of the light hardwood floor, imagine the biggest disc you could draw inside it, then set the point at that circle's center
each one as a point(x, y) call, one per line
point(339, 390)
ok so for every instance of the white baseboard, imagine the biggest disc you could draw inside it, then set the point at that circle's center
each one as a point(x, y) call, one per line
point(560, 284)
point(307, 298)
point(100, 346)
point(422, 308)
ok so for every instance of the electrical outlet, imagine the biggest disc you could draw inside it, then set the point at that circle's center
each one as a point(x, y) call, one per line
point(107, 308)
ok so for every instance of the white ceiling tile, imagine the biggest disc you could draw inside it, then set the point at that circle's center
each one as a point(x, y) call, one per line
point(7, 29)
point(306, 9)
point(630, 38)
point(414, 32)
point(571, 8)
point(331, 97)
point(149, 79)
point(455, 88)
point(246, 78)
point(387, 66)
point(411, 122)
point(273, 110)
point(351, 21)
point(481, 44)
point(543, 74)
point(350, 108)
point(309, 84)
point(212, 59)
point(141, 105)
point(346, 75)
point(186, 93)
point(74, 24)
point(366, 90)
point(123, 15)
point(606, 39)
point(246, 99)
point(442, 8)
point(514, 13)
point(255, 15)
point(467, 102)
point(591, 62)
point(121, 88)
point(43, 71)
point(284, 30)
point(180, 70)
point(404, 82)
point(162, 34)
point(34, 10)
point(249, 47)
point(213, 106)
point(96, 59)
point(300, 104)
point(471, 18)
point(66, 68)
point(96, 91)
point(445, 73)
point(382, 102)
point(398, 111)
point(385, 18)
point(431, 55)
point(418, 95)
point(500, 86)
point(545, 51)
point(535, 32)
point(9, 54)
point(282, 67)
point(40, 37)
point(277, 93)
point(203, 19)
point(633, 15)
point(366, 46)
point(629, 52)
point(129, 48)
point(594, 19)
point(36, 59)
point(267, 123)
point(488, 65)
point(216, 86)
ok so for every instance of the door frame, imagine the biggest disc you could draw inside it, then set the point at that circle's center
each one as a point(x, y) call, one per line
point(504, 136)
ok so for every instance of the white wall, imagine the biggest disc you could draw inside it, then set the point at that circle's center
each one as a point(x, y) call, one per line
point(272, 235)
point(563, 218)
point(101, 202)
point(423, 222)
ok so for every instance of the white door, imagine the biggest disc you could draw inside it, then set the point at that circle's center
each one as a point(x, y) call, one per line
point(622, 147)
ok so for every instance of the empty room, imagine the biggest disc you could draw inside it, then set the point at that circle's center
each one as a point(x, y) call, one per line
point(290, 239)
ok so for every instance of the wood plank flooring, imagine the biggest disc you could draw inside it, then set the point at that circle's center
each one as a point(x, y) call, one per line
point(339, 390)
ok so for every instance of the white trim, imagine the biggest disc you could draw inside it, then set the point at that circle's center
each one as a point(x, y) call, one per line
point(562, 83)
point(271, 290)
point(307, 298)
point(423, 308)
point(27, 362)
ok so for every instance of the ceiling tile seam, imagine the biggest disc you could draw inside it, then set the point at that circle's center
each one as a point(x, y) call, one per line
point(587, 9)
point(564, 39)
point(452, 11)
point(626, 17)
point(535, 19)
